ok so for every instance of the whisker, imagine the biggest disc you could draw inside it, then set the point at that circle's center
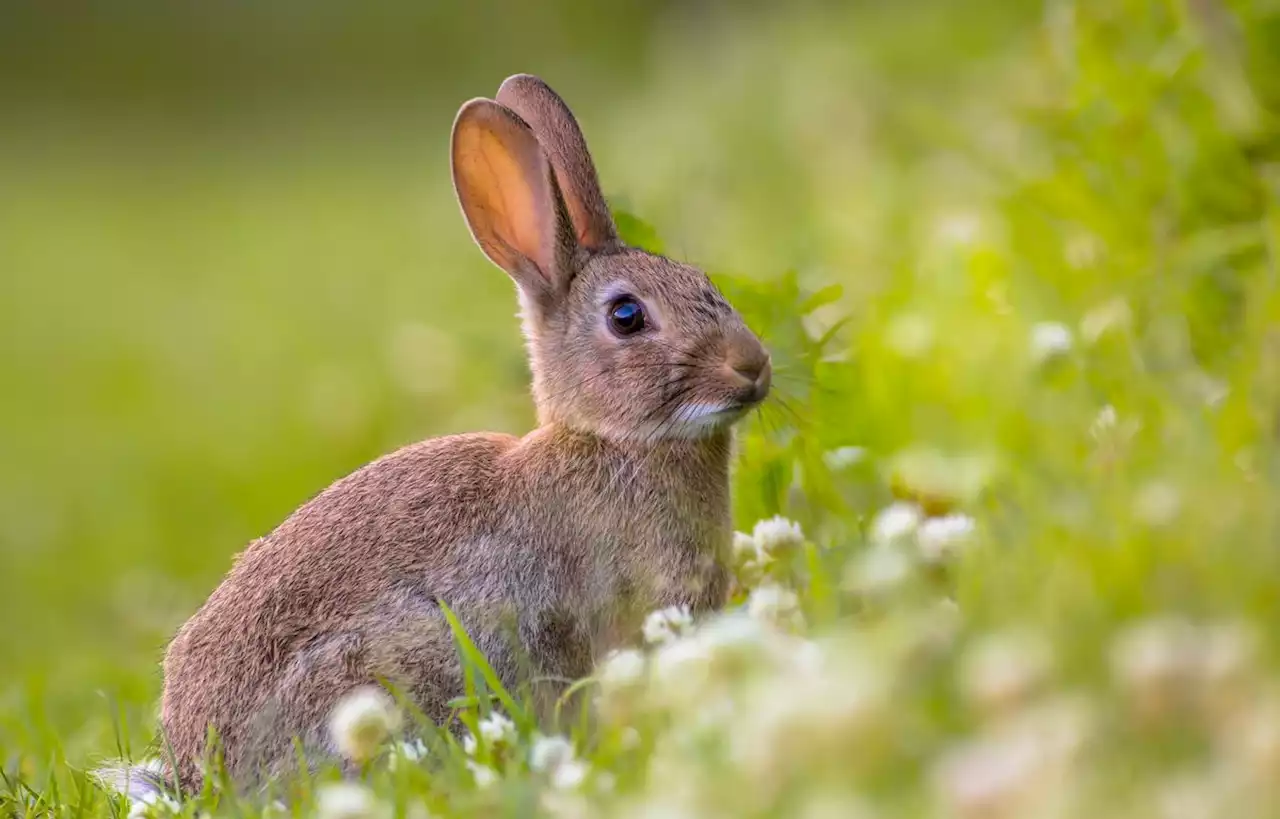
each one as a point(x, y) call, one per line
point(793, 415)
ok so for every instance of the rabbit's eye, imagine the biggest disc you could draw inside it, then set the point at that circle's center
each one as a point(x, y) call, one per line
point(626, 317)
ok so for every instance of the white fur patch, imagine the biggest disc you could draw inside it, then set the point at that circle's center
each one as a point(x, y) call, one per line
point(699, 419)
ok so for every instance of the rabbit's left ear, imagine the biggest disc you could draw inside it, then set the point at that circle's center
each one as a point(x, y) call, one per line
point(561, 138)
point(509, 197)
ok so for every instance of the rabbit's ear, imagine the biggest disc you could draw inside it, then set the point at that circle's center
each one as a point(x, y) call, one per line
point(509, 197)
point(562, 139)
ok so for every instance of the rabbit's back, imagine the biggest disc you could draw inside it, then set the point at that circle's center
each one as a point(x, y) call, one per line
point(302, 615)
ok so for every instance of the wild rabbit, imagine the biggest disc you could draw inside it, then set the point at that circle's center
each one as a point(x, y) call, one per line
point(552, 547)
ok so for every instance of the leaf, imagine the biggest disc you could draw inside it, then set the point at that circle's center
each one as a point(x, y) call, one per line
point(827, 337)
point(461, 703)
point(827, 295)
point(569, 692)
point(474, 660)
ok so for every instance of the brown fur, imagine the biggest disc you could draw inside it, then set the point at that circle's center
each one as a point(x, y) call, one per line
point(551, 547)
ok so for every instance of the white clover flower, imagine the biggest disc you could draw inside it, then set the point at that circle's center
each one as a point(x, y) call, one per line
point(346, 800)
point(878, 571)
point(680, 668)
point(1049, 340)
point(678, 656)
point(939, 538)
point(483, 775)
point(744, 547)
point(620, 669)
point(412, 751)
point(729, 631)
point(497, 728)
point(1002, 670)
point(777, 534)
point(667, 624)
point(153, 804)
point(739, 643)
point(569, 775)
point(548, 753)
point(751, 560)
point(895, 522)
point(775, 604)
point(362, 721)
point(843, 457)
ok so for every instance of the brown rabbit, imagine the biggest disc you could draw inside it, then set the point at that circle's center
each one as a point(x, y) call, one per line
point(550, 547)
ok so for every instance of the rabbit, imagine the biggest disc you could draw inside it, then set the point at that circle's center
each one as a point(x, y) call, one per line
point(551, 547)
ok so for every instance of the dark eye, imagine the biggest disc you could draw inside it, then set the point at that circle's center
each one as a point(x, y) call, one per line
point(626, 316)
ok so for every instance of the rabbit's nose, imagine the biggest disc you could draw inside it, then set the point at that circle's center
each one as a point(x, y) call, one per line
point(755, 369)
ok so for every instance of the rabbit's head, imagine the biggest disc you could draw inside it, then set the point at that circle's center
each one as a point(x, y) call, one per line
point(624, 343)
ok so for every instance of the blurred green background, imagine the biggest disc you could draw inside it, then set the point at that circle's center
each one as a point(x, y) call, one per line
point(232, 268)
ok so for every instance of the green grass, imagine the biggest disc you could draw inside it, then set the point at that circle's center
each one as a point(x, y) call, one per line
point(200, 335)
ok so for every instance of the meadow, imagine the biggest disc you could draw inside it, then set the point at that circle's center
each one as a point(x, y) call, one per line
point(1007, 528)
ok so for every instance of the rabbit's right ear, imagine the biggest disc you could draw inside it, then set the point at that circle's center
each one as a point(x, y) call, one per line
point(558, 131)
point(508, 194)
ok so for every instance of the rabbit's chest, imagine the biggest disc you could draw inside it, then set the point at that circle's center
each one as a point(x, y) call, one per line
point(683, 566)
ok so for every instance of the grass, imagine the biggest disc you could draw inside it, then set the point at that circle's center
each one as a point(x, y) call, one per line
point(1017, 265)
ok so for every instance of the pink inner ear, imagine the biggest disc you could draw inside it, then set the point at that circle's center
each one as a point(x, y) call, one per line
point(502, 180)
point(566, 149)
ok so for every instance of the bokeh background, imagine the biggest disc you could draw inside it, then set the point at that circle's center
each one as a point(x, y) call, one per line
point(232, 269)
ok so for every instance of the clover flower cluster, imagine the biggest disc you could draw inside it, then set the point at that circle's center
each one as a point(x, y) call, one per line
point(743, 708)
